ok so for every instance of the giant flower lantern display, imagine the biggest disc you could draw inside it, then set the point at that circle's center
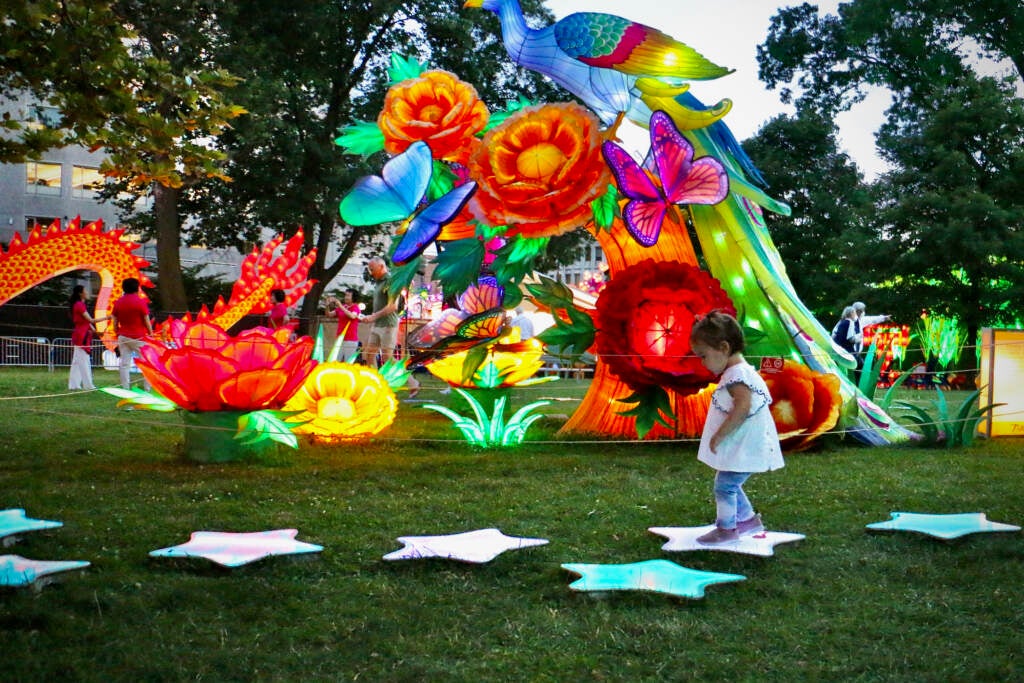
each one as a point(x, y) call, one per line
point(543, 170)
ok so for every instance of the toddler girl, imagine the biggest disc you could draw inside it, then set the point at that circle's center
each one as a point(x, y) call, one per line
point(739, 434)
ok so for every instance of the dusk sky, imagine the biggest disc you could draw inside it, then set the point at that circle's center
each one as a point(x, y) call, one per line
point(728, 32)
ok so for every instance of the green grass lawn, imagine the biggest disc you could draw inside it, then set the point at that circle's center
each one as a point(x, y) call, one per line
point(842, 605)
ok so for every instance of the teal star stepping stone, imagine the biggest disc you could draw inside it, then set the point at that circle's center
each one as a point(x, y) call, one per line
point(942, 526)
point(658, 576)
point(14, 522)
point(17, 571)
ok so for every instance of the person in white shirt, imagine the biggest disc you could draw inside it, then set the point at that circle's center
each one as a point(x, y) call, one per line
point(863, 321)
point(524, 322)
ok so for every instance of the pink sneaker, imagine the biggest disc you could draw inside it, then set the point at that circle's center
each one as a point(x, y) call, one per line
point(718, 535)
point(750, 526)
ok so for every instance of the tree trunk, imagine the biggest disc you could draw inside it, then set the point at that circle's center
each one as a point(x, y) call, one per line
point(308, 312)
point(168, 244)
point(599, 410)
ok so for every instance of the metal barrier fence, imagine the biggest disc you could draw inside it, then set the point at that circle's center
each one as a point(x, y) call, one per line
point(43, 352)
point(62, 350)
point(28, 351)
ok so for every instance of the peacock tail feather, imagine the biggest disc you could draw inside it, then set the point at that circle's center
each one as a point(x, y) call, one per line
point(610, 42)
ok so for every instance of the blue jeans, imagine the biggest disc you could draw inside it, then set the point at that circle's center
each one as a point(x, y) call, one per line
point(731, 501)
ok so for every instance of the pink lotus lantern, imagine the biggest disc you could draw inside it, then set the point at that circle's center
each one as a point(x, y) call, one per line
point(218, 378)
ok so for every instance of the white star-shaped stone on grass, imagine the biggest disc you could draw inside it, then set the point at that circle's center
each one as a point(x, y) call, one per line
point(17, 571)
point(236, 549)
point(659, 576)
point(14, 522)
point(942, 526)
point(683, 538)
point(479, 546)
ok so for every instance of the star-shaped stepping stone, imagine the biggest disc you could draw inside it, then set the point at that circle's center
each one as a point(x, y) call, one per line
point(479, 546)
point(236, 549)
point(659, 576)
point(942, 526)
point(683, 538)
point(14, 522)
point(16, 571)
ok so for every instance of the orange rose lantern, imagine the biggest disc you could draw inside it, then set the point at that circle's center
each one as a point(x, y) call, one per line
point(805, 404)
point(539, 170)
point(438, 109)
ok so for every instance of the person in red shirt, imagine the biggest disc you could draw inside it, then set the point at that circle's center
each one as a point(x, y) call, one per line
point(132, 325)
point(81, 340)
point(347, 312)
point(278, 316)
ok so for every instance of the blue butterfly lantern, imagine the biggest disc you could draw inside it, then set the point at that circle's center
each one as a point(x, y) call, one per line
point(399, 194)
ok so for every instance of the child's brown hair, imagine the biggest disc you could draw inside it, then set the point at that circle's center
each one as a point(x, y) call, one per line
point(717, 327)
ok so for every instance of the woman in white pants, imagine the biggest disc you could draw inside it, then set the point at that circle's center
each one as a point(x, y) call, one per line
point(81, 339)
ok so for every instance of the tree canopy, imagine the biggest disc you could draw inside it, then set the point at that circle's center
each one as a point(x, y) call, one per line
point(119, 76)
point(826, 62)
point(948, 235)
point(953, 209)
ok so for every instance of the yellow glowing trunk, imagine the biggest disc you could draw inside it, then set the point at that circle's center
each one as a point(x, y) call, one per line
point(598, 412)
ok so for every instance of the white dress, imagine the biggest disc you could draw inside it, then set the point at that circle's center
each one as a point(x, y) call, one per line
point(754, 446)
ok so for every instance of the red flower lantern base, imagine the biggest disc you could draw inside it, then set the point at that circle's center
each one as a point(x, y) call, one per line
point(210, 438)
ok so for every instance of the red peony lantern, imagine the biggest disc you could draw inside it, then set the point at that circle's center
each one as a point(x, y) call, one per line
point(644, 317)
point(201, 368)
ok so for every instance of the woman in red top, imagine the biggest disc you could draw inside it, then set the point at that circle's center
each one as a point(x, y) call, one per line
point(278, 316)
point(81, 340)
point(347, 313)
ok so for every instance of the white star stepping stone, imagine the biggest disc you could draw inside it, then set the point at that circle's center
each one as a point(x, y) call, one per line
point(684, 538)
point(479, 546)
point(236, 549)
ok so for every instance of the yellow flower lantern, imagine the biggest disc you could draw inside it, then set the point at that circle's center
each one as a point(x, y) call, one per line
point(506, 365)
point(342, 401)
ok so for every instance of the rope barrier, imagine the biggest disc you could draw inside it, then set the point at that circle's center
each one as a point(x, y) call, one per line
point(391, 439)
point(43, 342)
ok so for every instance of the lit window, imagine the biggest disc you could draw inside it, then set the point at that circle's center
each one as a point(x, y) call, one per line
point(42, 178)
point(85, 182)
point(38, 221)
